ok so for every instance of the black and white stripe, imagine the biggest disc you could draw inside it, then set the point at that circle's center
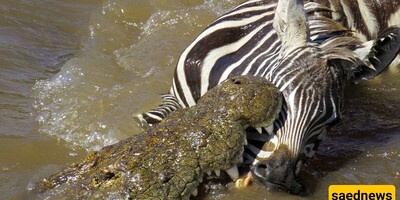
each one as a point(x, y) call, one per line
point(168, 105)
point(244, 41)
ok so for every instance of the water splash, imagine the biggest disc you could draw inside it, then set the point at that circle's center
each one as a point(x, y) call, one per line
point(126, 61)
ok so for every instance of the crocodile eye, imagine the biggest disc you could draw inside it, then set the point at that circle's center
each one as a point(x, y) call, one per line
point(164, 176)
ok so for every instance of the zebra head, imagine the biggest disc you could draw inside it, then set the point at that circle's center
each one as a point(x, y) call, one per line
point(312, 75)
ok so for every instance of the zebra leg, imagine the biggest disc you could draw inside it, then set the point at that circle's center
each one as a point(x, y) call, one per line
point(169, 104)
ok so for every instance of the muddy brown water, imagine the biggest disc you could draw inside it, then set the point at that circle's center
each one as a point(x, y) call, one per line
point(73, 72)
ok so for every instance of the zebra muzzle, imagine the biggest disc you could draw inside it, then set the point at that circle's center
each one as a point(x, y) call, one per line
point(279, 172)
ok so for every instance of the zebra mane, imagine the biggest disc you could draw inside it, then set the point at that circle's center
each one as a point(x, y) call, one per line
point(341, 48)
point(335, 41)
point(321, 25)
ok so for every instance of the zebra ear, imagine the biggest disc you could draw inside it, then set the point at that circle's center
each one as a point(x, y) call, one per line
point(290, 23)
point(378, 54)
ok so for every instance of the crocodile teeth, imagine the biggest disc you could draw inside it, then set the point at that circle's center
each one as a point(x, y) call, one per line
point(241, 159)
point(233, 173)
point(270, 129)
point(218, 172)
point(245, 142)
point(208, 173)
point(259, 130)
point(298, 167)
point(195, 192)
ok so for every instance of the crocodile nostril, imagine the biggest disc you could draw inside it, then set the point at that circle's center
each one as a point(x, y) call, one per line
point(236, 81)
point(107, 175)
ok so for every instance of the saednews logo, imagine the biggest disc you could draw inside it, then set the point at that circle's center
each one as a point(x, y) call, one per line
point(362, 192)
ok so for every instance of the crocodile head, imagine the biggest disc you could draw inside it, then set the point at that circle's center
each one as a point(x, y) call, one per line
point(168, 161)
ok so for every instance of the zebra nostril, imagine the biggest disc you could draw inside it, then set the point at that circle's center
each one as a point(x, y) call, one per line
point(262, 166)
point(260, 170)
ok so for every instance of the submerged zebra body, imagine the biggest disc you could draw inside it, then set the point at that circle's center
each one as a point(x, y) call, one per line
point(305, 52)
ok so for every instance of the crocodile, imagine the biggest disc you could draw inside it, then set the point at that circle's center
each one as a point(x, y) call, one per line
point(169, 160)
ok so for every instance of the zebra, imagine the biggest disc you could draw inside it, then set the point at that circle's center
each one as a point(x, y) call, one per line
point(310, 51)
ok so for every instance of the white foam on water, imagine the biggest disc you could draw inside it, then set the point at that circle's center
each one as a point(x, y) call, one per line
point(126, 61)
